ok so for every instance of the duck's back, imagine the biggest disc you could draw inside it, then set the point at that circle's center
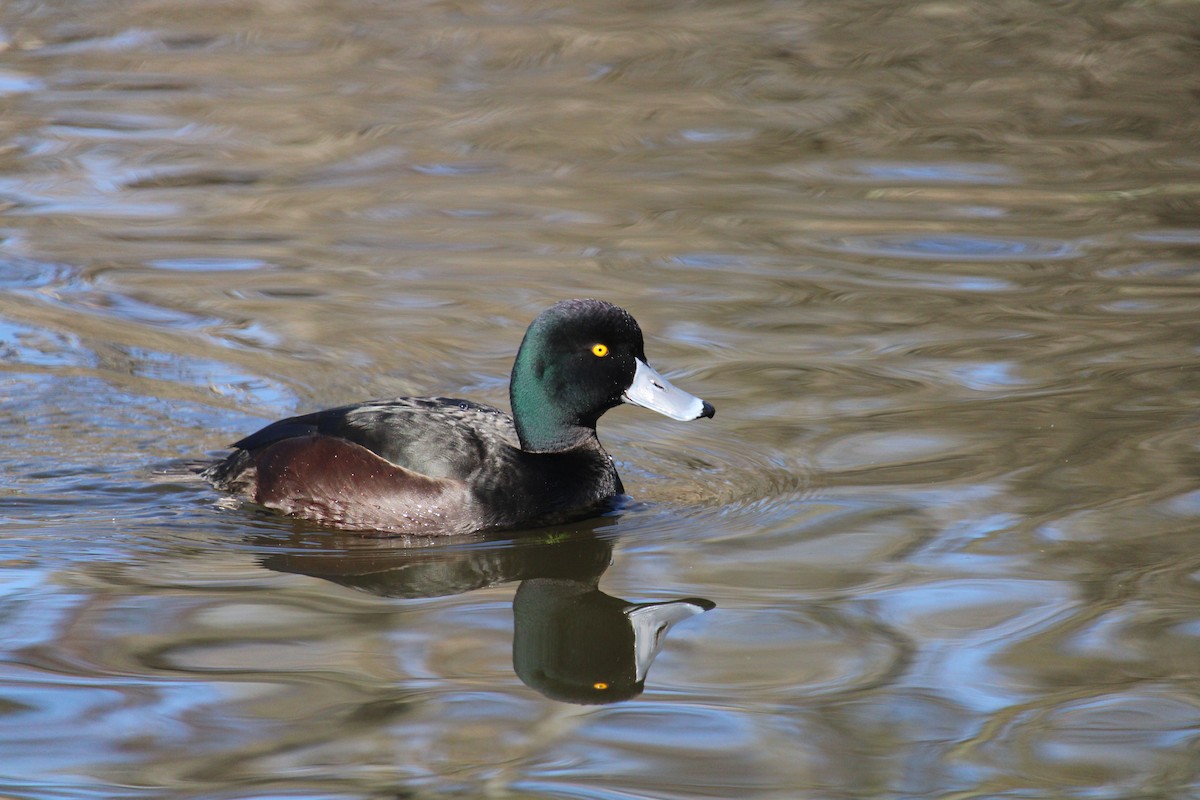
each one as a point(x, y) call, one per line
point(440, 437)
point(424, 466)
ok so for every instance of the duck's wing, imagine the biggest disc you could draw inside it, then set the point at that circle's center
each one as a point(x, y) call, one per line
point(440, 437)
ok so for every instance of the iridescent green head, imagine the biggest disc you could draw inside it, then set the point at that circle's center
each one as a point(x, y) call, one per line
point(578, 359)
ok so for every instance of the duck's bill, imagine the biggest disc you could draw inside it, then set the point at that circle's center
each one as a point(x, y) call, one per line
point(653, 391)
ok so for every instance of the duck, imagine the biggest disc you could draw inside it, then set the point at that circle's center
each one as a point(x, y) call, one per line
point(437, 466)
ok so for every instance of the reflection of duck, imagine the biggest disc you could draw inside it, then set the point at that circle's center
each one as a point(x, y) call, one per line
point(571, 641)
point(432, 466)
point(389, 569)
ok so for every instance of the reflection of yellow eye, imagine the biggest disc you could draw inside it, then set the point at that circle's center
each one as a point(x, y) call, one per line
point(599, 350)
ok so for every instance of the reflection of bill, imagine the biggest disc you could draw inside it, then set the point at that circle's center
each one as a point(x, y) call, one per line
point(571, 641)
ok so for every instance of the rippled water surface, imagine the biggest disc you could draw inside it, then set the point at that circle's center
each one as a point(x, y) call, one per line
point(937, 264)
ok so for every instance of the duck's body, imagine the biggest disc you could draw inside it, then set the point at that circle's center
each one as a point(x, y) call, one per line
point(415, 465)
point(436, 466)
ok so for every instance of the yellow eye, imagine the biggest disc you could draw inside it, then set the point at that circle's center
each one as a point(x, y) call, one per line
point(600, 686)
point(599, 350)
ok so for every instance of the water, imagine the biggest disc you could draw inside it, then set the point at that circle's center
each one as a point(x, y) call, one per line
point(934, 263)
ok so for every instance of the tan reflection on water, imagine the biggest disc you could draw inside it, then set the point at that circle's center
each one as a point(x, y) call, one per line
point(934, 263)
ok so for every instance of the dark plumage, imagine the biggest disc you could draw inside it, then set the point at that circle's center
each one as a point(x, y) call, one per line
point(435, 465)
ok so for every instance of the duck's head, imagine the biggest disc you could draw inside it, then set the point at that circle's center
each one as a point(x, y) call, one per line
point(580, 358)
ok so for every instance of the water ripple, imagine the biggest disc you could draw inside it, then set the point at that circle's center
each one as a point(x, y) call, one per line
point(957, 247)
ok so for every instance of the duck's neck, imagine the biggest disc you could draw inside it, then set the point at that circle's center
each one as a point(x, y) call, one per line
point(544, 419)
